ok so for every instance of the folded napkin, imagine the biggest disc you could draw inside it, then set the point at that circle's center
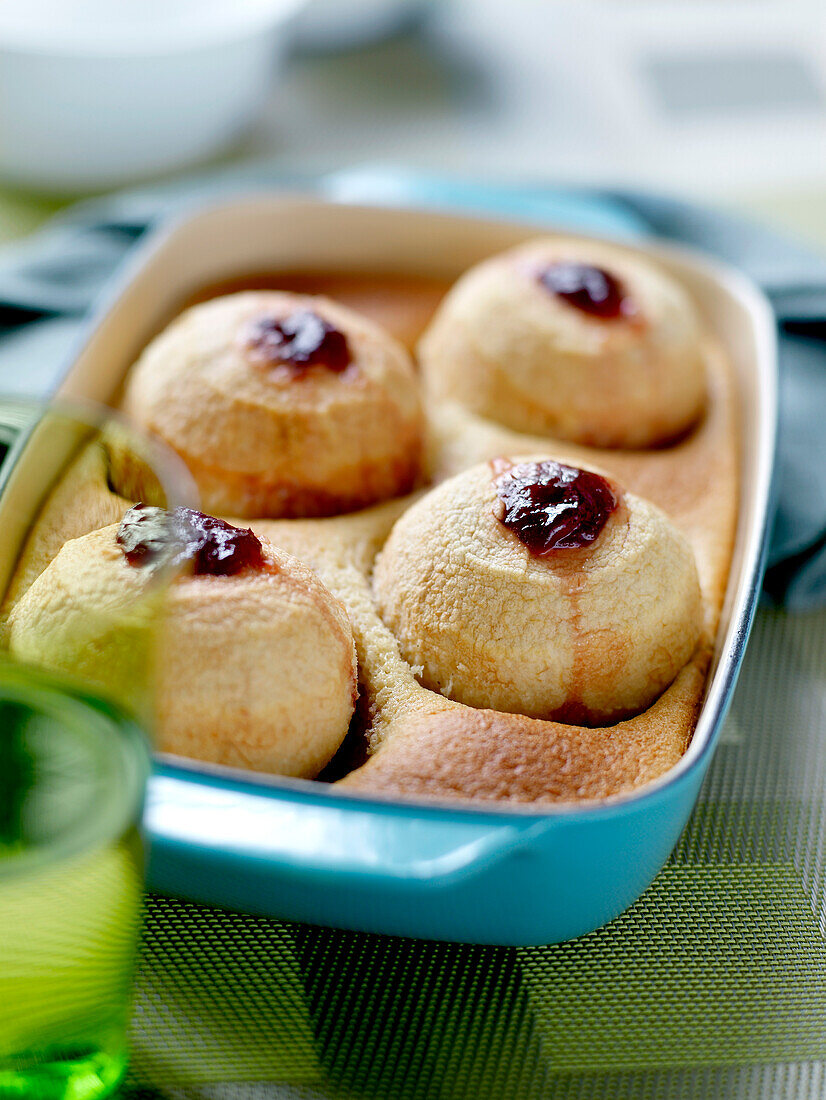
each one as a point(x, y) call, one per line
point(50, 282)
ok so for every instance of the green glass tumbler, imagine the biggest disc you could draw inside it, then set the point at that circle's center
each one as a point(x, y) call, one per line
point(73, 770)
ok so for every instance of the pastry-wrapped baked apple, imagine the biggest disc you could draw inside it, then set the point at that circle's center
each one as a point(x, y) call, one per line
point(537, 588)
point(573, 339)
point(279, 404)
point(254, 660)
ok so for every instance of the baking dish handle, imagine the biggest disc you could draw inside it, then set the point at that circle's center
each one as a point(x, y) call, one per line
point(313, 839)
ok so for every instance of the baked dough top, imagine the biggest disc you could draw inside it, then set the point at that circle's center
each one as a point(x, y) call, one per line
point(413, 742)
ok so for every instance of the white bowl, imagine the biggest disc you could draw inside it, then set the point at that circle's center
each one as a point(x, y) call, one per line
point(100, 92)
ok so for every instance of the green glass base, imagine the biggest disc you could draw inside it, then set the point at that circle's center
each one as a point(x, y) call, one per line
point(63, 1075)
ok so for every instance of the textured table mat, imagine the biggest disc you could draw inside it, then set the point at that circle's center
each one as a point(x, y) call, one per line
point(712, 986)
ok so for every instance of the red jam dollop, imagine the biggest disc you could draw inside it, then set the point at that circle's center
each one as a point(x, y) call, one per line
point(150, 536)
point(591, 289)
point(550, 506)
point(299, 341)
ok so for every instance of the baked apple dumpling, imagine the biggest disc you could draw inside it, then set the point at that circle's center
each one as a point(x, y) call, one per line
point(279, 404)
point(573, 339)
point(254, 661)
point(537, 588)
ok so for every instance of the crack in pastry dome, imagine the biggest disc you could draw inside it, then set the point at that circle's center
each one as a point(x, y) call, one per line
point(210, 546)
point(550, 506)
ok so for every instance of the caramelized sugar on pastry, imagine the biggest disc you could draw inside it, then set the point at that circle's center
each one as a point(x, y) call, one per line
point(542, 589)
point(254, 658)
point(279, 404)
point(573, 339)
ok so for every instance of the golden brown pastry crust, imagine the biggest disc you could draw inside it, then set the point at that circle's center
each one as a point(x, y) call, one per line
point(255, 670)
point(490, 756)
point(506, 348)
point(694, 482)
point(262, 440)
point(589, 635)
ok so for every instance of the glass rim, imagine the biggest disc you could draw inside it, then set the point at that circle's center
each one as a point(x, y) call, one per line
point(31, 410)
point(30, 415)
point(31, 470)
point(117, 738)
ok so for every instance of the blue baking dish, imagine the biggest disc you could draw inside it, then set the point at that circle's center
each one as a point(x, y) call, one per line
point(304, 851)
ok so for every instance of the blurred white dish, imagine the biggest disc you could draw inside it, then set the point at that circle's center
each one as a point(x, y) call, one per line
point(97, 92)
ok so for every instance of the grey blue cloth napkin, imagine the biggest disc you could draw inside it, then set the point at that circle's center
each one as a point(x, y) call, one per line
point(50, 282)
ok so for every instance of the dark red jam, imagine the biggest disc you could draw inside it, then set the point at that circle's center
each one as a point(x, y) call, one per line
point(549, 506)
point(590, 289)
point(299, 341)
point(207, 545)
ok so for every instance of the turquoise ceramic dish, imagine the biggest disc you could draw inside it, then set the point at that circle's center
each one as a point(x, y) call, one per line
point(444, 873)
point(302, 851)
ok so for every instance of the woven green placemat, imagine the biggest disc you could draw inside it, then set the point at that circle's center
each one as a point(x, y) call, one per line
point(219, 996)
point(712, 985)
